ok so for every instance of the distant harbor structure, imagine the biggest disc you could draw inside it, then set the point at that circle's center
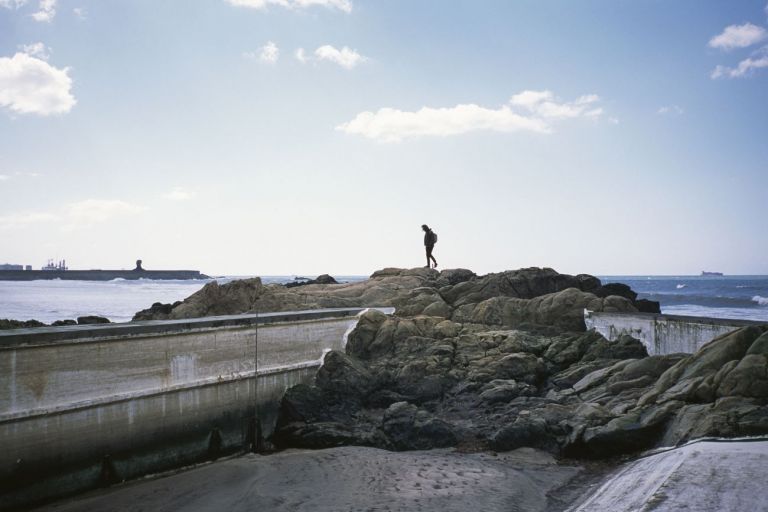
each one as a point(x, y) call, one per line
point(705, 273)
point(60, 270)
point(61, 265)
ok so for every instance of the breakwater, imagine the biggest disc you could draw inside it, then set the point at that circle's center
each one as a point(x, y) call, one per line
point(98, 275)
point(83, 406)
point(663, 334)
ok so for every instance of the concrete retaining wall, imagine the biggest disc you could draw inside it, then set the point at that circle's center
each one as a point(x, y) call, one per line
point(82, 406)
point(662, 334)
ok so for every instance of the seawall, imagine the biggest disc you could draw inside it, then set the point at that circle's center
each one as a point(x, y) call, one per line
point(663, 334)
point(84, 406)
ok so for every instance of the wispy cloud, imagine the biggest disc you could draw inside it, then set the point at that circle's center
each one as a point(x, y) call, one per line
point(22, 220)
point(80, 13)
point(80, 214)
point(345, 57)
point(745, 68)
point(46, 11)
point(38, 50)
point(268, 53)
point(12, 4)
point(738, 36)
point(179, 194)
point(341, 5)
point(29, 85)
point(670, 110)
point(300, 55)
point(531, 111)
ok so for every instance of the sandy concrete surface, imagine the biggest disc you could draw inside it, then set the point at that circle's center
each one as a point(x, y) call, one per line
point(350, 479)
point(702, 476)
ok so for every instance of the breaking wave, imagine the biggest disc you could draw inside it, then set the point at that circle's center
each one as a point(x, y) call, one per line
point(763, 301)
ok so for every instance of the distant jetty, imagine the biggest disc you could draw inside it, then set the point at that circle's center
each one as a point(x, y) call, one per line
point(705, 273)
point(61, 271)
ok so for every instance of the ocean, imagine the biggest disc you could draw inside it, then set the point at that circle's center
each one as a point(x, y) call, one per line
point(743, 297)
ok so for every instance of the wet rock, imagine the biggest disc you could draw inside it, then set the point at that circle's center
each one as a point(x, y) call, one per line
point(92, 319)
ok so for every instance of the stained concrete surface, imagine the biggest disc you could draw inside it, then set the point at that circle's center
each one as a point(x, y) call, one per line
point(348, 479)
point(705, 476)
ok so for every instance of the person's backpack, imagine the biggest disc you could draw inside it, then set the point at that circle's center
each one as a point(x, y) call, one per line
point(433, 237)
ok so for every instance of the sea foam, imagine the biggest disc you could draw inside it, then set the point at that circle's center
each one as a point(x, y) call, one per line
point(763, 301)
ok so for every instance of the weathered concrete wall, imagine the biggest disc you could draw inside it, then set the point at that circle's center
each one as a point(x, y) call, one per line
point(82, 406)
point(662, 334)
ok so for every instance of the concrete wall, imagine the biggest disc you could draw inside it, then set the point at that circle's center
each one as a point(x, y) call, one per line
point(82, 406)
point(662, 334)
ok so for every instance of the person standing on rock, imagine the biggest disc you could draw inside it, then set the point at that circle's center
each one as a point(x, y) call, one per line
point(430, 239)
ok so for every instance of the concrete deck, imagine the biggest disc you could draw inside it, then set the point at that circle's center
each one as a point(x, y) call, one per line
point(703, 476)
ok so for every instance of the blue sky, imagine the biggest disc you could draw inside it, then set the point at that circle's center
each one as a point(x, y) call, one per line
point(606, 137)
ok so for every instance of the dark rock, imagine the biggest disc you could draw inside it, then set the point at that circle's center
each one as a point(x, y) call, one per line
point(410, 428)
point(619, 289)
point(624, 347)
point(157, 311)
point(19, 324)
point(59, 323)
point(92, 319)
point(321, 279)
point(457, 275)
point(647, 306)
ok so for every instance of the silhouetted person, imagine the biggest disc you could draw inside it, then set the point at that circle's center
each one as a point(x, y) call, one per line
point(138, 266)
point(430, 239)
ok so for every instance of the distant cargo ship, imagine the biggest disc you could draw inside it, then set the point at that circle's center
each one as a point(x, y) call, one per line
point(705, 273)
point(60, 271)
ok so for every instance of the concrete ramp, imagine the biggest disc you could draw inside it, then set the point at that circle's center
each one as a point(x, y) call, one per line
point(703, 476)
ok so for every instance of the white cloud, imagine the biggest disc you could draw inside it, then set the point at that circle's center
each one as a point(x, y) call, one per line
point(38, 50)
point(80, 13)
point(346, 57)
point(532, 111)
point(29, 85)
point(738, 36)
point(12, 4)
point(300, 55)
point(342, 5)
point(745, 68)
point(544, 104)
point(268, 53)
point(179, 194)
point(46, 12)
point(670, 110)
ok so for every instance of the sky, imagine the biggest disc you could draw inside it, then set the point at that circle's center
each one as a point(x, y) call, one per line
point(278, 137)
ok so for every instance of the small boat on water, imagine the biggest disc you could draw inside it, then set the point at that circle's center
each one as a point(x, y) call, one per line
point(710, 274)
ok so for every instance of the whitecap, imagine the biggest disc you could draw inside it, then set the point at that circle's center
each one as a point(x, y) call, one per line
point(763, 301)
point(681, 286)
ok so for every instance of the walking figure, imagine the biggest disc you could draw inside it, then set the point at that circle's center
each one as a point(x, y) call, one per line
point(430, 239)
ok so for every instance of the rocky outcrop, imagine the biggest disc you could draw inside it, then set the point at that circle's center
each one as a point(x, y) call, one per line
point(485, 380)
point(418, 291)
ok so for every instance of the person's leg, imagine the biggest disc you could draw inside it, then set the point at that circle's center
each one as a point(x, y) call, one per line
point(430, 257)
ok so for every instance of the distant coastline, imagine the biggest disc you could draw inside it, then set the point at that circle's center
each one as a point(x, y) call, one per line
point(99, 275)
